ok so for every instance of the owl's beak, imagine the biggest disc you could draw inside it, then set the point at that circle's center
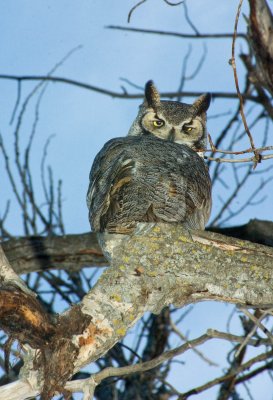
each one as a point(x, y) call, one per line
point(172, 135)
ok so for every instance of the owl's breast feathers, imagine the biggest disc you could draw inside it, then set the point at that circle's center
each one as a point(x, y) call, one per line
point(146, 179)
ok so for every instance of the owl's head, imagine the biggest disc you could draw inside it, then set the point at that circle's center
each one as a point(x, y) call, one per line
point(171, 120)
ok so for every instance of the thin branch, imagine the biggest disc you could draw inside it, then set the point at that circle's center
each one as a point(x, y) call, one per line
point(249, 150)
point(254, 373)
point(233, 64)
point(185, 339)
point(235, 371)
point(3, 232)
point(144, 1)
point(177, 34)
point(97, 378)
point(231, 197)
point(249, 201)
point(257, 322)
point(189, 21)
point(184, 68)
point(18, 99)
point(134, 8)
point(194, 73)
point(239, 160)
point(121, 95)
point(147, 365)
point(249, 335)
point(173, 4)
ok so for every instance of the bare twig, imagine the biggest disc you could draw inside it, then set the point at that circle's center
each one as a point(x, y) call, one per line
point(134, 8)
point(185, 339)
point(189, 21)
point(145, 366)
point(257, 157)
point(184, 77)
point(173, 4)
point(18, 99)
point(249, 335)
point(144, 1)
point(250, 150)
point(239, 160)
point(257, 322)
point(121, 95)
point(235, 371)
point(177, 34)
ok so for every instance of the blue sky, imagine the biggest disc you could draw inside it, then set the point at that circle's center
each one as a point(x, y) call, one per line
point(35, 35)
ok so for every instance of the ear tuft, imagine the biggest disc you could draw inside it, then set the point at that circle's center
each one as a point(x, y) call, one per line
point(152, 95)
point(202, 103)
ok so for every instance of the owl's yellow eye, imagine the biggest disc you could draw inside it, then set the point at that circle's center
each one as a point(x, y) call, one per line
point(158, 123)
point(187, 129)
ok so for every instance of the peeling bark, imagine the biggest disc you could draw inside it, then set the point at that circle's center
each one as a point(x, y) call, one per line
point(166, 265)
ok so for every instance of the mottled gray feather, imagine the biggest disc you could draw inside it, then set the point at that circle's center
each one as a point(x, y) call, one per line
point(146, 179)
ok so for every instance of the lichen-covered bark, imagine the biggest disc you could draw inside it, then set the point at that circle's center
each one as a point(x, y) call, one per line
point(160, 266)
point(72, 252)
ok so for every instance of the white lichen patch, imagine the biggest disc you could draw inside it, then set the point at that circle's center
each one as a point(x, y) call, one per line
point(94, 303)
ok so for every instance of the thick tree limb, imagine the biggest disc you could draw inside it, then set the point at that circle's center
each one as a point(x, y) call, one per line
point(72, 252)
point(8, 278)
point(21, 315)
point(256, 231)
point(163, 266)
point(37, 253)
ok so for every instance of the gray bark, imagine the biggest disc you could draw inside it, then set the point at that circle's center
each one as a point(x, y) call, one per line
point(37, 253)
point(73, 252)
point(161, 266)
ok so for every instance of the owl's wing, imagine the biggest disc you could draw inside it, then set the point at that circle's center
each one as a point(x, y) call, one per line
point(112, 169)
point(145, 179)
point(183, 192)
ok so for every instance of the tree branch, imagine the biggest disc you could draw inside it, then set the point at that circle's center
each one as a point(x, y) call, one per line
point(120, 95)
point(164, 265)
point(177, 34)
point(37, 253)
point(73, 252)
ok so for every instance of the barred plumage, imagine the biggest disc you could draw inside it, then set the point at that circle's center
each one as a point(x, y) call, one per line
point(146, 179)
point(150, 175)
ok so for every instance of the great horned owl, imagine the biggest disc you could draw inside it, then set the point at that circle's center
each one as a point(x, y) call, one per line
point(154, 174)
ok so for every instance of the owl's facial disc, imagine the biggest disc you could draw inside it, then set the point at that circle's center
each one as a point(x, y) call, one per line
point(189, 131)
